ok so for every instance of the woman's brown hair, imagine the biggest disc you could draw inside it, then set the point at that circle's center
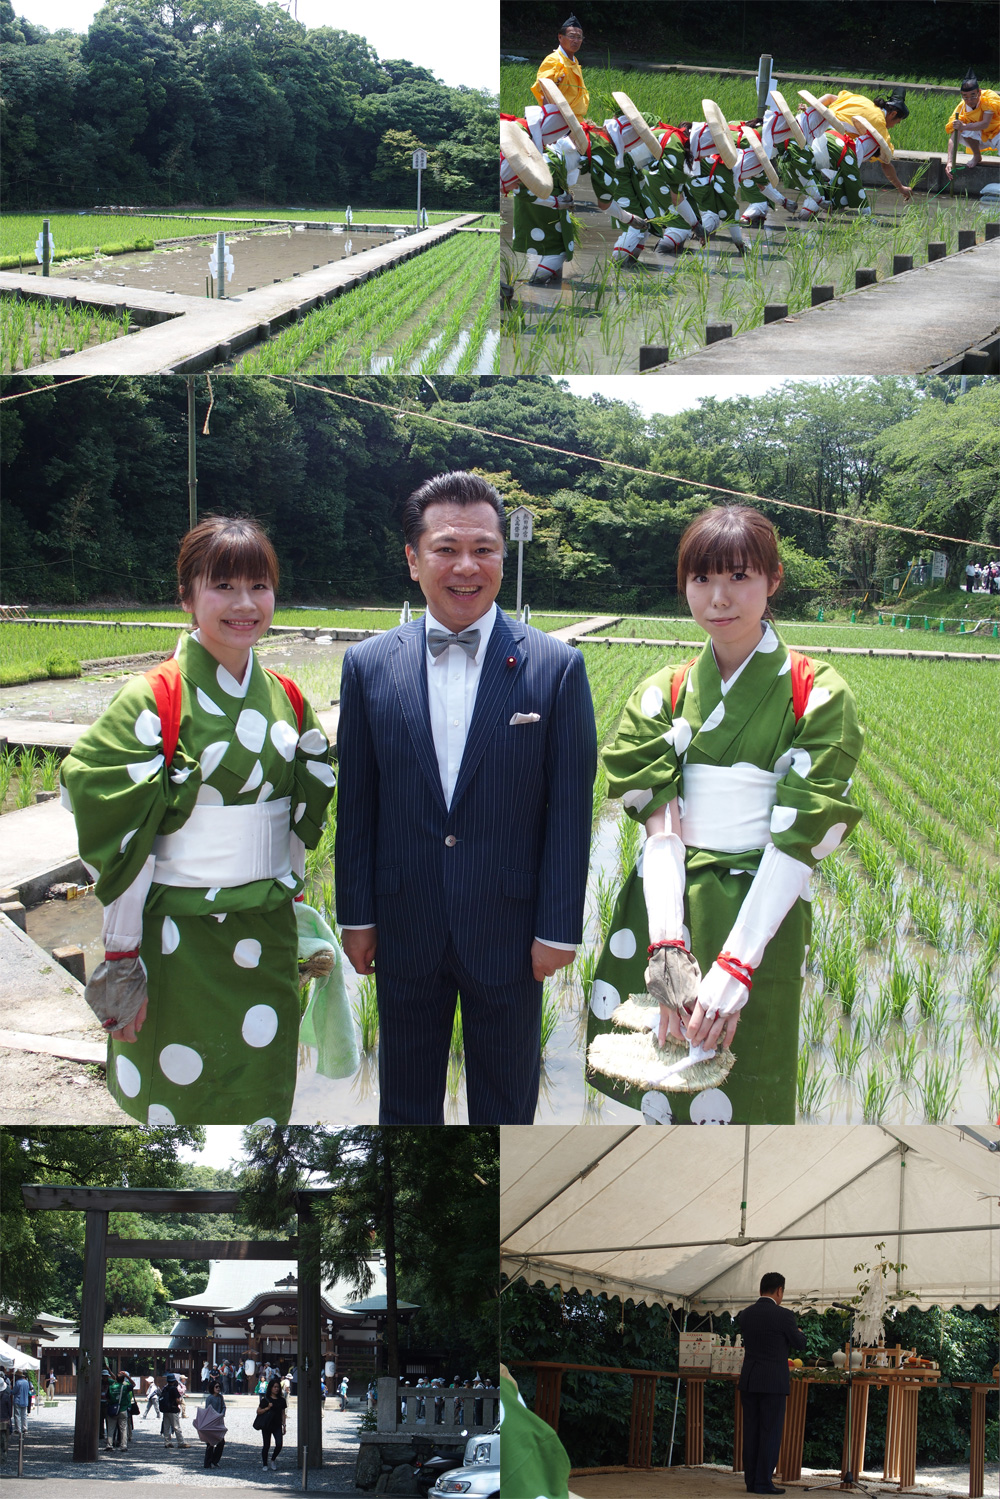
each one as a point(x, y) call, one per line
point(222, 547)
point(728, 538)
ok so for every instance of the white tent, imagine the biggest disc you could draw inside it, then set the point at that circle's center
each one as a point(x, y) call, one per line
point(654, 1215)
point(9, 1355)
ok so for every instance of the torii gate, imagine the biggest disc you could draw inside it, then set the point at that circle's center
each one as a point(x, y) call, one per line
point(98, 1202)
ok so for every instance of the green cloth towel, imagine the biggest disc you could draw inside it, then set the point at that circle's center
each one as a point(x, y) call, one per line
point(327, 1023)
point(533, 1461)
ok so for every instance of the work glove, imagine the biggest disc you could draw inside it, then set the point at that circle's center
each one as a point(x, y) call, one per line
point(116, 991)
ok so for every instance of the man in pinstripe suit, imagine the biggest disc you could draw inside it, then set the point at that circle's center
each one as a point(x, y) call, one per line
point(769, 1332)
point(467, 754)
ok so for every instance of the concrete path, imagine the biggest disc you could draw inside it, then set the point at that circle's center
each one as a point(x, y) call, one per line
point(201, 331)
point(36, 842)
point(585, 627)
point(902, 326)
point(45, 734)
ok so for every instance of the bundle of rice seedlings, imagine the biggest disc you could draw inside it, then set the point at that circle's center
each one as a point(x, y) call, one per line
point(634, 1057)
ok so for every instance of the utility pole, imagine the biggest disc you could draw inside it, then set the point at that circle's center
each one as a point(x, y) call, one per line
point(192, 458)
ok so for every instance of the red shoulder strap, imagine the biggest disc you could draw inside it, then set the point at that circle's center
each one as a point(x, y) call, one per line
point(165, 681)
point(293, 693)
point(803, 672)
point(677, 681)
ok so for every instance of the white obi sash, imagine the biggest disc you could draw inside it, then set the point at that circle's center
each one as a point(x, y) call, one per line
point(226, 846)
point(728, 807)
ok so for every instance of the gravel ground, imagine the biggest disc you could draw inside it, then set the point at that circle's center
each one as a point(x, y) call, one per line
point(48, 1456)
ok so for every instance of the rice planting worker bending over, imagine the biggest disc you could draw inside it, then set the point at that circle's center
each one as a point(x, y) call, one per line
point(564, 70)
point(975, 122)
point(738, 765)
point(859, 129)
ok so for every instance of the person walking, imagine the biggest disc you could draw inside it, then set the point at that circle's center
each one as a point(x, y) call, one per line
point(21, 1401)
point(343, 1393)
point(271, 1422)
point(152, 1396)
point(6, 1412)
point(215, 1400)
point(119, 1411)
point(769, 1332)
point(170, 1411)
point(50, 1384)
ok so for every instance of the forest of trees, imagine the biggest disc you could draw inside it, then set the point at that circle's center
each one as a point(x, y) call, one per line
point(880, 37)
point(444, 1225)
point(212, 101)
point(93, 498)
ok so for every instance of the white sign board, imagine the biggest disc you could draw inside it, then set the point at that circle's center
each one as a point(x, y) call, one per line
point(213, 264)
point(521, 524)
point(419, 160)
point(939, 565)
point(39, 247)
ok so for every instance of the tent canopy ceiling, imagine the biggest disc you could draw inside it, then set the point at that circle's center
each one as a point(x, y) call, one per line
point(645, 1214)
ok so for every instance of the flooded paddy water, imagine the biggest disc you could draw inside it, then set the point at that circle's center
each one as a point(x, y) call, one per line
point(597, 318)
point(260, 257)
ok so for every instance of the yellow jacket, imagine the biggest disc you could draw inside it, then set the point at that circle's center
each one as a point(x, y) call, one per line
point(567, 75)
point(845, 105)
point(989, 103)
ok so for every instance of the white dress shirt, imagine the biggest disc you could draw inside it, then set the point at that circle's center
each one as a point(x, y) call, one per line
point(452, 684)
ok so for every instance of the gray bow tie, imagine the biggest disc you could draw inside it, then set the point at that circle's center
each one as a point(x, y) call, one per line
point(440, 640)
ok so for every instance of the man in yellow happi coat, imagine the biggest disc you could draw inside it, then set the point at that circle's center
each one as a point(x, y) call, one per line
point(564, 70)
point(975, 123)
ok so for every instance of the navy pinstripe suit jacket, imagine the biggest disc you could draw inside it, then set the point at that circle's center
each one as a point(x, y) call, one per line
point(769, 1332)
point(519, 822)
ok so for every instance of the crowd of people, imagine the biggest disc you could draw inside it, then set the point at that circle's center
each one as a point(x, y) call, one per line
point(982, 577)
point(683, 181)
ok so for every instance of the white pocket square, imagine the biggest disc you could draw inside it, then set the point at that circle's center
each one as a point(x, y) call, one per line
point(526, 718)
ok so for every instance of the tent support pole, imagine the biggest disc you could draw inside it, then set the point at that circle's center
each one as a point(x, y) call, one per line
point(677, 1398)
point(899, 1219)
point(746, 1177)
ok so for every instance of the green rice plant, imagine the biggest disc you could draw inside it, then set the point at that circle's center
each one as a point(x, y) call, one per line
point(876, 1091)
point(27, 769)
point(879, 1017)
point(906, 1048)
point(365, 1011)
point(8, 760)
point(986, 1029)
point(586, 965)
point(939, 1085)
point(605, 895)
point(813, 1022)
point(929, 993)
point(873, 915)
point(980, 988)
point(813, 1085)
point(550, 1017)
point(49, 770)
point(848, 1048)
point(848, 976)
point(928, 916)
point(993, 1090)
point(627, 846)
point(898, 988)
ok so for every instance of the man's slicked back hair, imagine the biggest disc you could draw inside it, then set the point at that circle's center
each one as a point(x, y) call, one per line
point(458, 488)
point(771, 1283)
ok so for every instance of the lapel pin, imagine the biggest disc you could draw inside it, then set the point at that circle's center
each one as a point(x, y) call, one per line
point(511, 660)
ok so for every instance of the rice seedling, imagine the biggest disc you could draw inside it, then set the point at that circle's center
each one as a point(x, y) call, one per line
point(876, 1091)
point(32, 330)
point(27, 768)
point(879, 1017)
point(904, 1053)
point(847, 977)
point(939, 1085)
point(627, 845)
point(49, 770)
point(813, 1022)
point(605, 895)
point(812, 1085)
point(586, 964)
point(986, 1029)
point(365, 1011)
point(929, 994)
point(550, 1017)
point(873, 916)
point(848, 1048)
point(8, 760)
point(898, 989)
point(993, 1090)
point(980, 988)
point(928, 915)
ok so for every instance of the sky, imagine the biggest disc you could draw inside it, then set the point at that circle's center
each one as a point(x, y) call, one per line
point(667, 395)
point(222, 1147)
point(458, 43)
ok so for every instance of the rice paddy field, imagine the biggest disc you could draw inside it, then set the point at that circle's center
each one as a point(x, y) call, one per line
point(435, 313)
point(894, 634)
point(901, 1008)
point(600, 315)
point(32, 330)
point(672, 97)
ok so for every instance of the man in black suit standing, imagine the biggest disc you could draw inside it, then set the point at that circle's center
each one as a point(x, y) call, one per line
point(768, 1334)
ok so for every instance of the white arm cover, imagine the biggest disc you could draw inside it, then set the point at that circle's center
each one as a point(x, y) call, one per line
point(297, 852)
point(663, 880)
point(686, 211)
point(776, 886)
point(122, 928)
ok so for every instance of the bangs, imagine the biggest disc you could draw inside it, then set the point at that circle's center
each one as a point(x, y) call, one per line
point(731, 539)
point(243, 557)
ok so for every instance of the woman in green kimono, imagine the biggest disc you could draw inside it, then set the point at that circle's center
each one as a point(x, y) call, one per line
point(739, 767)
point(195, 796)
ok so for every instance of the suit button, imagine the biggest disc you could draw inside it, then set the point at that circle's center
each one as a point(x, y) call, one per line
point(450, 841)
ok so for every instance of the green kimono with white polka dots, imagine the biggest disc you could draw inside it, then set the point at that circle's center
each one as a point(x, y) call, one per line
point(539, 224)
point(711, 191)
point(220, 1038)
point(751, 724)
point(846, 189)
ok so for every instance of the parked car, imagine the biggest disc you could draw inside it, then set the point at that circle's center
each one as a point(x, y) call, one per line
point(475, 1482)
